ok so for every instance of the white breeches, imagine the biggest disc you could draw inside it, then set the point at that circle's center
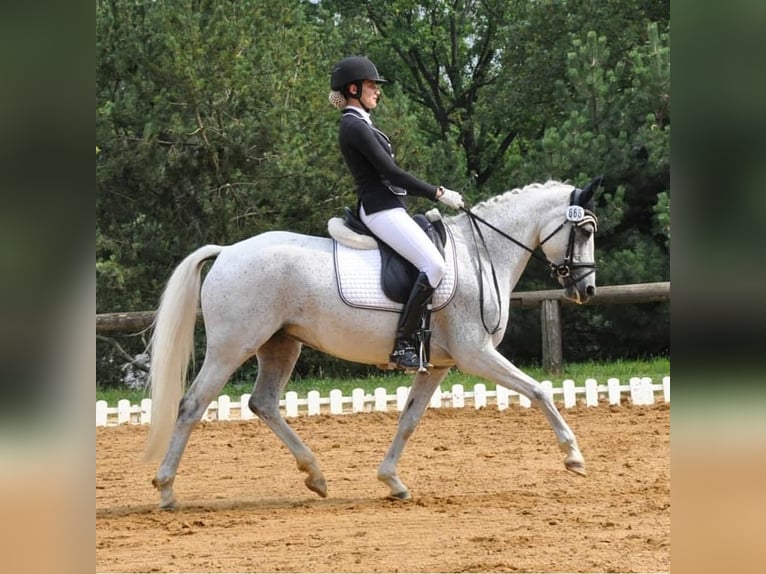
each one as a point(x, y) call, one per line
point(397, 228)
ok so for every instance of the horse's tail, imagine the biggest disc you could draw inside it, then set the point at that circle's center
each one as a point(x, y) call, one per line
point(171, 346)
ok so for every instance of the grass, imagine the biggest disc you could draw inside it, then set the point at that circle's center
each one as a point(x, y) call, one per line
point(655, 368)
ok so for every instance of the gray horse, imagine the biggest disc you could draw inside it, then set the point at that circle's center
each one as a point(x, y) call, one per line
point(273, 293)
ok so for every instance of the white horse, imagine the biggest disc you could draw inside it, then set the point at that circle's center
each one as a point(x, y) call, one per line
point(273, 293)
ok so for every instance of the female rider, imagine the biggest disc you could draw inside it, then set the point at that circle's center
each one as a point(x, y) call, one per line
point(381, 187)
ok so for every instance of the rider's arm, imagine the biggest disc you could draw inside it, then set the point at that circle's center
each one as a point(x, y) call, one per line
point(368, 145)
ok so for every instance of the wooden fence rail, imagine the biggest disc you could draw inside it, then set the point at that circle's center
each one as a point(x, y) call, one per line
point(606, 295)
point(549, 301)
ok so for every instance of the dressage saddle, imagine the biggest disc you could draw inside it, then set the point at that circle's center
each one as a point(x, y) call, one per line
point(398, 275)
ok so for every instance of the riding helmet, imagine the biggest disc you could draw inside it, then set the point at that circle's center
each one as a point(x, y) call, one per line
point(353, 69)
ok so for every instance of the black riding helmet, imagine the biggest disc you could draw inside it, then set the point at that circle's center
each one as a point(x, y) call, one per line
point(353, 70)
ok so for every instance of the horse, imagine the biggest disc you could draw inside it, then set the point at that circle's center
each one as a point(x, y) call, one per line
point(273, 293)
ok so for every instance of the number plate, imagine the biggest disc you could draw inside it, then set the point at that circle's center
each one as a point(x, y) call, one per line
point(575, 213)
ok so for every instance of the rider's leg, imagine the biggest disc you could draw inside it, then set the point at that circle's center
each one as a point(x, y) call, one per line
point(396, 227)
point(405, 354)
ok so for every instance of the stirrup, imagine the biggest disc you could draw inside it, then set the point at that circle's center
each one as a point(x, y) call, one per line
point(423, 364)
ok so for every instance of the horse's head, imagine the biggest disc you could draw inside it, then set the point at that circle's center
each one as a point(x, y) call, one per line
point(567, 241)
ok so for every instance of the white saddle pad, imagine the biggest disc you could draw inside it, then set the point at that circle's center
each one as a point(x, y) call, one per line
point(357, 273)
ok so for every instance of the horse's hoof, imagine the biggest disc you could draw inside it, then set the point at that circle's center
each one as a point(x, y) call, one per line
point(403, 495)
point(576, 466)
point(318, 485)
point(167, 501)
point(167, 498)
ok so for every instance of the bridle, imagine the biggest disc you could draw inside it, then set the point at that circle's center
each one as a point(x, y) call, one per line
point(575, 214)
point(578, 216)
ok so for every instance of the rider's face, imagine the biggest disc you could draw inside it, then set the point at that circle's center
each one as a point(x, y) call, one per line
point(370, 94)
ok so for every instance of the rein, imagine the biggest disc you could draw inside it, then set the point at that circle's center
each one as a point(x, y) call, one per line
point(562, 270)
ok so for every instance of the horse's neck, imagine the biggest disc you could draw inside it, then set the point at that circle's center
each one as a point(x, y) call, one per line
point(511, 214)
point(518, 215)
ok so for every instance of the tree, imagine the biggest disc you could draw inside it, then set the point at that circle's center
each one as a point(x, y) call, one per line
point(618, 123)
point(211, 126)
point(444, 57)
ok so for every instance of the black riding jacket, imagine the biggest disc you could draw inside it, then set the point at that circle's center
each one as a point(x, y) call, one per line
point(380, 183)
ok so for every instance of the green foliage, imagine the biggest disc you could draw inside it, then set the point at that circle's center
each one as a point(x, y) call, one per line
point(445, 57)
point(212, 125)
point(210, 129)
point(662, 218)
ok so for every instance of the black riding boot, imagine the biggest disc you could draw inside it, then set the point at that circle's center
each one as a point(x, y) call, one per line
point(405, 355)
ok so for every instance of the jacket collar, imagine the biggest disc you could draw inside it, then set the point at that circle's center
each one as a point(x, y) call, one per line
point(359, 112)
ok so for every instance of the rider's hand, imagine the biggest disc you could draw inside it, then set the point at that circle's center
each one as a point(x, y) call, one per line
point(451, 198)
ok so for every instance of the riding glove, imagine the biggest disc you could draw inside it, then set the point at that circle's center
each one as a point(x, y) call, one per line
point(451, 198)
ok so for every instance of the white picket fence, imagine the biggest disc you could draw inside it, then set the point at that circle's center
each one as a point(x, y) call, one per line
point(639, 391)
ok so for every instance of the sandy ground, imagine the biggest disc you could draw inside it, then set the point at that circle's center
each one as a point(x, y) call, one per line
point(490, 493)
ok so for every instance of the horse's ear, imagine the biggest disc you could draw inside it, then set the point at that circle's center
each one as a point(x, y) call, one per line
point(585, 197)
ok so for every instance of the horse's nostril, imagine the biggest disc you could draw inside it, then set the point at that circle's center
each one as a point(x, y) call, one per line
point(590, 290)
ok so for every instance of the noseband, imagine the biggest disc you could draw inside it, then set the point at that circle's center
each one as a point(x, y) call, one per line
point(576, 215)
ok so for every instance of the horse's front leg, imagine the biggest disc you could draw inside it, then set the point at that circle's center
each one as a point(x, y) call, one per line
point(422, 390)
point(491, 365)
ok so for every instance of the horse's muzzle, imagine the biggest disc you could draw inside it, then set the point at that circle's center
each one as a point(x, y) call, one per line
point(579, 293)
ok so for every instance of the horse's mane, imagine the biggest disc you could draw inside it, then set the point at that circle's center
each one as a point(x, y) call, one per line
point(529, 188)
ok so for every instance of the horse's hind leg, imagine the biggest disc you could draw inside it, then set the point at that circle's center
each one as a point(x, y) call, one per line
point(276, 360)
point(492, 366)
point(423, 388)
point(212, 377)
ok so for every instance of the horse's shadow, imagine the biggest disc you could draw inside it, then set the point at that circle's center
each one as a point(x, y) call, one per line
point(268, 504)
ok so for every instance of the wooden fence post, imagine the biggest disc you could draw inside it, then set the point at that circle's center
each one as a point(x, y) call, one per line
point(458, 396)
point(336, 402)
point(381, 399)
point(550, 321)
point(245, 413)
